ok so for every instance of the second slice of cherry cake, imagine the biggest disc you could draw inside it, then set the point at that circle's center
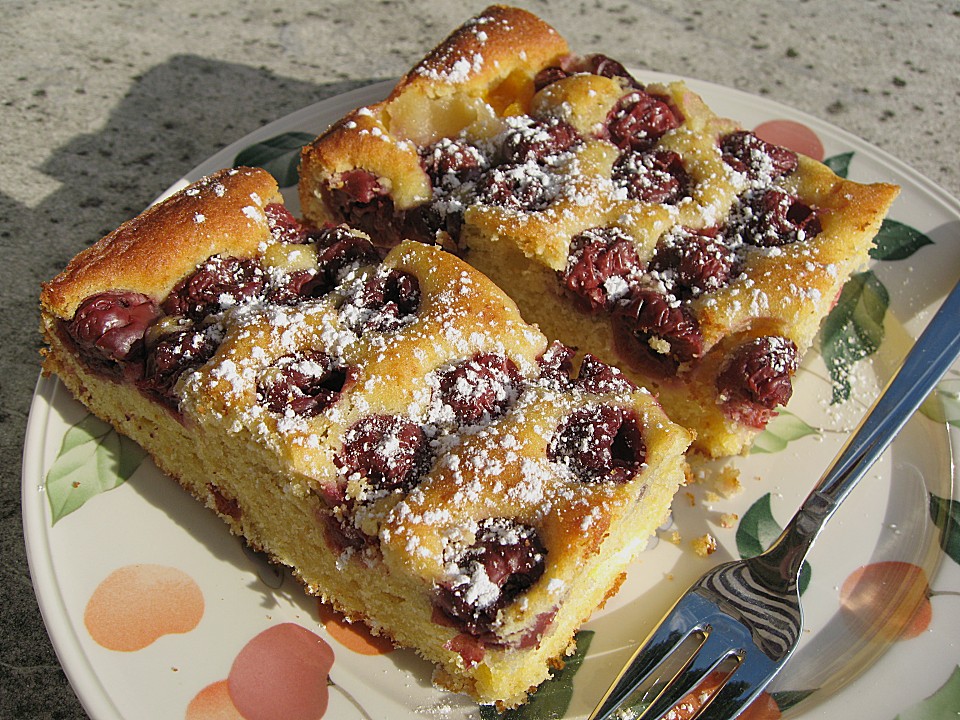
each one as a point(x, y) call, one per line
point(386, 425)
point(626, 219)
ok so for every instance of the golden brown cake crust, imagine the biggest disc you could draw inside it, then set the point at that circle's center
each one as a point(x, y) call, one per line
point(483, 52)
point(223, 213)
point(475, 68)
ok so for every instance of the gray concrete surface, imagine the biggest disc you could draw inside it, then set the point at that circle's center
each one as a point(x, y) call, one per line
point(104, 104)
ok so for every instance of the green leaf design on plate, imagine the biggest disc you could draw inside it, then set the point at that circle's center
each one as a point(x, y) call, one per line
point(946, 516)
point(896, 241)
point(854, 329)
point(93, 458)
point(943, 406)
point(757, 528)
point(942, 705)
point(279, 156)
point(781, 431)
point(757, 531)
point(552, 698)
point(840, 164)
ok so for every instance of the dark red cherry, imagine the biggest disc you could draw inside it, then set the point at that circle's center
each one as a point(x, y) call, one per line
point(286, 228)
point(596, 376)
point(600, 263)
point(388, 301)
point(672, 328)
point(548, 76)
point(600, 444)
point(480, 389)
point(514, 186)
point(760, 160)
point(361, 186)
point(506, 560)
point(218, 283)
point(538, 141)
point(653, 175)
point(362, 202)
point(172, 355)
point(387, 450)
point(600, 64)
point(776, 218)
point(639, 120)
point(691, 263)
point(451, 162)
point(339, 249)
point(111, 325)
point(556, 364)
point(305, 384)
point(758, 378)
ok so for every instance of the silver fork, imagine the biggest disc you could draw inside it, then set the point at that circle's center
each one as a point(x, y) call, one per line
point(741, 621)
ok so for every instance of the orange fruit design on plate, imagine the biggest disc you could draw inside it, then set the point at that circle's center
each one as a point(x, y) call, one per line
point(282, 674)
point(763, 708)
point(890, 599)
point(137, 604)
point(353, 636)
point(213, 703)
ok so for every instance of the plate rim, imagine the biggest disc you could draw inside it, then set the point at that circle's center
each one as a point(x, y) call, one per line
point(61, 631)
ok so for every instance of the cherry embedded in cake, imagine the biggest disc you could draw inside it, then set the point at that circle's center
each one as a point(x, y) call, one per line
point(625, 218)
point(386, 424)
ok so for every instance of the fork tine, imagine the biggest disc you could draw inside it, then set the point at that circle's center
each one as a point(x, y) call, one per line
point(650, 686)
point(645, 669)
point(716, 651)
point(742, 689)
point(683, 621)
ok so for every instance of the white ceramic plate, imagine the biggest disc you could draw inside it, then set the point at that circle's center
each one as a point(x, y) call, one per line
point(145, 558)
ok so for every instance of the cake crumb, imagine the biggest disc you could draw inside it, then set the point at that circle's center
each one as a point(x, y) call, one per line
point(705, 545)
point(728, 520)
point(726, 482)
point(711, 497)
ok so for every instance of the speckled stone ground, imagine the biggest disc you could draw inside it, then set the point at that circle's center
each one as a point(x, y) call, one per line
point(103, 105)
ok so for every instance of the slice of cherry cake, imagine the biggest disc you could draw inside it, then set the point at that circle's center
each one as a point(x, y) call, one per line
point(626, 220)
point(387, 426)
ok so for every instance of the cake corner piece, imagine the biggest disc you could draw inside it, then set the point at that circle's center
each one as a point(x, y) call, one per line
point(386, 424)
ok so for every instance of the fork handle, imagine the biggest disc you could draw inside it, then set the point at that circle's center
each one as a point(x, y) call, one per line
point(931, 356)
